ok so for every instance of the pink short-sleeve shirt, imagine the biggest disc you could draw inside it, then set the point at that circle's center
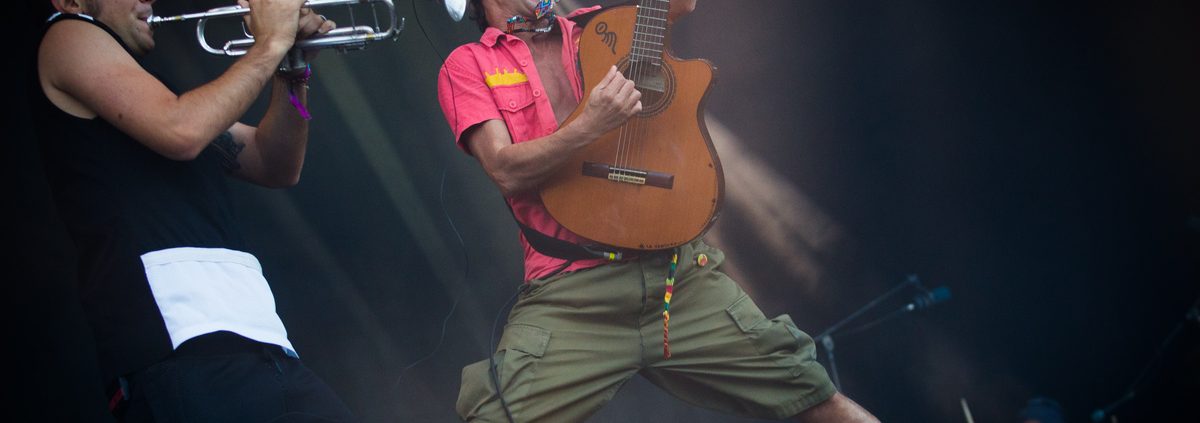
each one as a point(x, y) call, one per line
point(497, 79)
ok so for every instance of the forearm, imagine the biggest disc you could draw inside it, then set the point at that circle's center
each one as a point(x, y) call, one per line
point(525, 166)
point(199, 115)
point(282, 137)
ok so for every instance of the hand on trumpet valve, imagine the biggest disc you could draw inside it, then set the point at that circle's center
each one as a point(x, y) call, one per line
point(313, 24)
point(308, 23)
point(273, 21)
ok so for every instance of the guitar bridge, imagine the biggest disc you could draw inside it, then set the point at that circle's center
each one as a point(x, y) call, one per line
point(629, 175)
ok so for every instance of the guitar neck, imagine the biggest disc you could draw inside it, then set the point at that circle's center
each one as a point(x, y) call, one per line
point(650, 31)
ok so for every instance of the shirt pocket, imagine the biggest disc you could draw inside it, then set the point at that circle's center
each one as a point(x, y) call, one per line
point(516, 104)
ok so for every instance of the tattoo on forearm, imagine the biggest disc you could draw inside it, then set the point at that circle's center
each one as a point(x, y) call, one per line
point(228, 150)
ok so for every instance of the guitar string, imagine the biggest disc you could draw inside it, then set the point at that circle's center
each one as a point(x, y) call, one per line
point(631, 144)
point(657, 63)
point(652, 51)
point(626, 137)
point(622, 140)
point(639, 75)
point(641, 53)
point(623, 137)
point(627, 134)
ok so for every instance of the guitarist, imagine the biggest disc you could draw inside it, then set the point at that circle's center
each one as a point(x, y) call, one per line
point(584, 325)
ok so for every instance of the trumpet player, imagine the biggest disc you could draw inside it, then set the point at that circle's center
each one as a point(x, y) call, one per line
point(184, 321)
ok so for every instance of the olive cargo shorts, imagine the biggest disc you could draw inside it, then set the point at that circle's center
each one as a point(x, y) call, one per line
point(573, 339)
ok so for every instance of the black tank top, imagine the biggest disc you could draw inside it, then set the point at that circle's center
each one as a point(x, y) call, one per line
point(119, 200)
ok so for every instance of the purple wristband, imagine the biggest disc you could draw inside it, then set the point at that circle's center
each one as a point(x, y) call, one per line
point(302, 80)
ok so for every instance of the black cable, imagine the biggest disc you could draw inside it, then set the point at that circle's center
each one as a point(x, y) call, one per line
point(466, 274)
point(494, 374)
point(1100, 413)
point(462, 244)
point(441, 198)
point(417, 17)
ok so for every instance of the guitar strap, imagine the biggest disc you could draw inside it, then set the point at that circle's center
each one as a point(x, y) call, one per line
point(554, 247)
point(566, 250)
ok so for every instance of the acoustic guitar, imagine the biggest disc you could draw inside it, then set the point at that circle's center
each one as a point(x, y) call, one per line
point(655, 182)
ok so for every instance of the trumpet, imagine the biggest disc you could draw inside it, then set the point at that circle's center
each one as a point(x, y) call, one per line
point(353, 37)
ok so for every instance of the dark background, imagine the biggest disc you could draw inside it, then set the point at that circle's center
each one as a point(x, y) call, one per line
point(1040, 159)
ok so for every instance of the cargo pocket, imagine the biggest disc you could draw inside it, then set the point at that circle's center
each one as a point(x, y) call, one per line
point(777, 338)
point(516, 359)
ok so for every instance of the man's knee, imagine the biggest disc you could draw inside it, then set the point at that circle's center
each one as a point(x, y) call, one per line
point(838, 408)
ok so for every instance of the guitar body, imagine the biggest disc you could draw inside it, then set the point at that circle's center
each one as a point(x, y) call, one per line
point(656, 182)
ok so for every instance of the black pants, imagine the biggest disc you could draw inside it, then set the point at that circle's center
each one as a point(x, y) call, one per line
point(223, 377)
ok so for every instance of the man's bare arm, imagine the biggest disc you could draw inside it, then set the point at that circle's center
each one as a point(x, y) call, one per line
point(521, 167)
point(84, 68)
point(272, 154)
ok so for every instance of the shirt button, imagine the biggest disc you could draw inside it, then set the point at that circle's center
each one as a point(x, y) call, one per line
point(512, 103)
point(524, 63)
point(537, 93)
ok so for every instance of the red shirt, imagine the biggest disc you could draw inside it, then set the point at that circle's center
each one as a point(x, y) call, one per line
point(497, 79)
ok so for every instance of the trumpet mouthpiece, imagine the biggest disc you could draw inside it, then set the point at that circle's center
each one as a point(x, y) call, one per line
point(157, 20)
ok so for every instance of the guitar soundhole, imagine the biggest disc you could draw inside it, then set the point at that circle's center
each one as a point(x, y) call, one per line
point(656, 81)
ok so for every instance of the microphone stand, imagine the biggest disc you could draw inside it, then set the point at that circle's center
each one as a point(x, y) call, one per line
point(826, 337)
point(1193, 313)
